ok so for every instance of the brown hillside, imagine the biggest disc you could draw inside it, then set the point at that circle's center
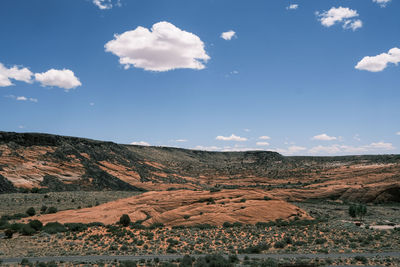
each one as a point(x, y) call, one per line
point(58, 163)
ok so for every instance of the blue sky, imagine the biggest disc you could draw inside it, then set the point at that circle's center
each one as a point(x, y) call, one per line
point(308, 77)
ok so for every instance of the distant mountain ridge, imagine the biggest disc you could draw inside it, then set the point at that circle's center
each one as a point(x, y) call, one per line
point(62, 163)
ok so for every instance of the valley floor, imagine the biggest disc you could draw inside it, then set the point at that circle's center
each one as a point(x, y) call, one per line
point(332, 232)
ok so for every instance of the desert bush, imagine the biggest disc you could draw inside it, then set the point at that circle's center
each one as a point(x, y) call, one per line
point(3, 224)
point(256, 249)
point(25, 262)
point(36, 224)
point(227, 225)
point(125, 220)
point(52, 210)
point(27, 230)
point(9, 233)
point(54, 227)
point(76, 227)
point(361, 259)
point(156, 225)
point(279, 244)
point(31, 211)
point(43, 209)
point(357, 210)
point(186, 261)
point(128, 264)
point(16, 226)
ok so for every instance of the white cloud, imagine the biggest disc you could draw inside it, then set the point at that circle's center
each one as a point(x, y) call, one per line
point(162, 48)
point(181, 140)
point(207, 148)
point(343, 15)
point(61, 78)
point(228, 35)
point(231, 138)
point(382, 3)
point(324, 137)
point(264, 137)
point(292, 6)
point(22, 98)
point(239, 149)
point(140, 143)
point(14, 73)
point(357, 137)
point(342, 149)
point(91, 104)
point(291, 150)
point(262, 144)
point(398, 133)
point(103, 4)
point(352, 24)
point(246, 130)
point(379, 62)
point(381, 146)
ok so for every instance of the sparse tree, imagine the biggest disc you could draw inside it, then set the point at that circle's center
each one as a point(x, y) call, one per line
point(31, 211)
point(358, 211)
point(9, 233)
point(125, 220)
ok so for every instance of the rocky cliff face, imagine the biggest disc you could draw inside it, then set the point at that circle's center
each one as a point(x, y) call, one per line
point(59, 163)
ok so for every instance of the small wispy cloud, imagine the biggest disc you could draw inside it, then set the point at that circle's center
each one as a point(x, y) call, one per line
point(291, 150)
point(140, 143)
point(22, 98)
point(324, 137)
point(340, 149)
point(262, 144)
point(233, 137)
point(106, 4)
point(228, 35)
point(292, 7)
point(382, 3)
point(264, 137)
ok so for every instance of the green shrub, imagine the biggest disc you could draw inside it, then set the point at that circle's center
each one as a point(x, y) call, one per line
point(25, 262)
point(125, 220)
point(43, 209)
point(54, 227)
point(31, 211)
point(227, 225)
point(36, 224)
point(128, 264)
point(279, 244)
point(362, 259)
point(76, 227)
point(156, 225)
point(52, 210)
point(27, 230)
point(9, 233)
point(186, 261)
point(16, 227)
